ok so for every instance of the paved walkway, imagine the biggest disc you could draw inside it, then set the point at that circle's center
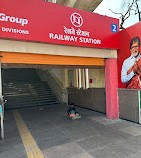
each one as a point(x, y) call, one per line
point(49, 133)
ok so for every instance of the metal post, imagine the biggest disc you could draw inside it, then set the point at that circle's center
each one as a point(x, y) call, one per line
point(76, 77)
point(0, 84)
point(2, 128)
point(79, 76)
point(87, 78)
point(1, 97)
point(83, 78)
point(2, 106)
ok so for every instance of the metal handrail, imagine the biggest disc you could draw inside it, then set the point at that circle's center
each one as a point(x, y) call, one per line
point(2, 116)
point(58, 90)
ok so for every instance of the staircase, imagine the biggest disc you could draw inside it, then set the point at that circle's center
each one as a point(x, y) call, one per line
point(23, 88)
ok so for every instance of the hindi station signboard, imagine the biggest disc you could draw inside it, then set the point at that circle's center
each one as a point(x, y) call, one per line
point(38, 20)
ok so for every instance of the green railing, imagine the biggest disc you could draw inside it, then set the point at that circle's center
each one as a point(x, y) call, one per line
point(2, 118)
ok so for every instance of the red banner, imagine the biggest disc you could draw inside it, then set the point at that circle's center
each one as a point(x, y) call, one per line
point(129, 41)
point(38, 20)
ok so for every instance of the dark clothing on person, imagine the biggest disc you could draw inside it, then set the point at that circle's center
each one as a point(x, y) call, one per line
point(71, 110)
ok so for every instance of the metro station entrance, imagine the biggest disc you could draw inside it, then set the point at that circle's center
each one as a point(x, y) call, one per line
point(70, 50)
point(30, 85)
point(80, 39)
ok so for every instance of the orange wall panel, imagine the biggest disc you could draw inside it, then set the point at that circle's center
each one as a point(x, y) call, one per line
point(29, 58)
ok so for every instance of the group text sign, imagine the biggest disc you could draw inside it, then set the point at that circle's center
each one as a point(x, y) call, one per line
point(38, 20)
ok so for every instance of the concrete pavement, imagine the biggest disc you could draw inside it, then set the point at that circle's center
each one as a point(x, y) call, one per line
point(57, 136)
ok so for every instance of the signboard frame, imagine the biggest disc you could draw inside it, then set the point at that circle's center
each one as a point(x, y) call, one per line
point(42, 21)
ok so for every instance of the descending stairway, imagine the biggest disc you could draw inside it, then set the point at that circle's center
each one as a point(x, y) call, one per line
point(26, 91)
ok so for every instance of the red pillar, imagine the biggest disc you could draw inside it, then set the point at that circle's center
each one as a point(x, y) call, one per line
point(111, 83)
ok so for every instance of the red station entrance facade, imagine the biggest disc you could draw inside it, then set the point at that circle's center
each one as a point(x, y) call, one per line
point(37, 22)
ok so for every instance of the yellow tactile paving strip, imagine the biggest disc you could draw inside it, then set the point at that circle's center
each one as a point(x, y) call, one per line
point(30, 145)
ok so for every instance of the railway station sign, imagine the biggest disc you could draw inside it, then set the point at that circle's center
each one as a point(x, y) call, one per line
point(38, 20)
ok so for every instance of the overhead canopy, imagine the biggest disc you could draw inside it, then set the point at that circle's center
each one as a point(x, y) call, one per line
point(89, 5)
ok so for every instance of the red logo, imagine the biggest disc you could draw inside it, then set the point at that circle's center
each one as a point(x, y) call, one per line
point(76, 19)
